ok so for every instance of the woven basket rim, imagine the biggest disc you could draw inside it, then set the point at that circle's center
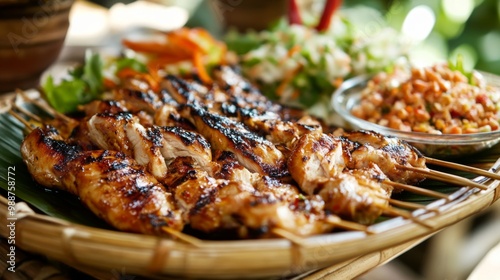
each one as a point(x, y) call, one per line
point(153, 256)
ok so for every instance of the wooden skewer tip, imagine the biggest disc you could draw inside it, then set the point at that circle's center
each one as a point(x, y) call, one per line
point(445, 177)
point(462, 167)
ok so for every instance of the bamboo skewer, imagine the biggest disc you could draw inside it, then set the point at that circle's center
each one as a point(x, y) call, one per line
point(416, 190)
point(333, 220)
point(336, 221)
point(28, 125)
point(407, 215)
point(27, 113)
point(462, 167)
point(45, 107)
point(289, 236)
point(402, 204)
point(184, 237)
point(409, 205)
point(445, 177)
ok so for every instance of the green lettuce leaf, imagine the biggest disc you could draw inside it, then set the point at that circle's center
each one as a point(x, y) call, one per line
point(84, 85)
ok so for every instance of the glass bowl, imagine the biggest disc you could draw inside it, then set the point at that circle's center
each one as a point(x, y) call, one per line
point(431, 145)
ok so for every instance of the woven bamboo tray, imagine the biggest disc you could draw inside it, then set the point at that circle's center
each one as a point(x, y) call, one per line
point(97, 250)
point(102, 252)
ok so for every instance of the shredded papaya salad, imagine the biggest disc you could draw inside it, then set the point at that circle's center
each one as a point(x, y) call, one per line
point(302, 60)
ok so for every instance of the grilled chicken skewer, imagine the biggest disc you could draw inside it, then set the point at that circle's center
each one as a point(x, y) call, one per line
point(212, 204)
point(401, 162)
point(123, 193)
point(410, 188)
point(318, 165)
point(245, 105)
point(387, 152)
point(267, 205)
point(348, 178)
point(112, 185)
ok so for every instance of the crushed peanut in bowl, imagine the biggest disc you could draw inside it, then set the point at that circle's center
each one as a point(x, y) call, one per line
point(439, 99)
point(441, 110)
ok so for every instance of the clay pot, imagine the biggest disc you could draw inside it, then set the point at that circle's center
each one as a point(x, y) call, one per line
point(32, 34)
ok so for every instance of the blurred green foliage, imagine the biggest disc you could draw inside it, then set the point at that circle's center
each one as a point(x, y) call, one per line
point(469, 27)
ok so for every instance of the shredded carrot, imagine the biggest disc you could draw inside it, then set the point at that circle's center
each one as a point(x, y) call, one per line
point(108, 83)
point(151, 80)
point(153, 84)
point(168, 59)
point(200, 67)
point(153, 71)
point(295, 49)
point(184, 44)
point(146, 47)
point(337, 82)
point(286, 80)
point(127, 73)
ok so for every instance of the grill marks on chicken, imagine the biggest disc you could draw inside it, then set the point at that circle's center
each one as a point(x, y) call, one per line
point(109, 183)
point(46, 154)
point(123, 132)
point(139, 100)
point(233, 97)
point(318, 164)
point(240, 92)
point(251, 150)
point(121, 192)
point(168, 115)
point(178, 142)
point(388, 152)
point(233, 203)
point(217, 157)
point(277, 131)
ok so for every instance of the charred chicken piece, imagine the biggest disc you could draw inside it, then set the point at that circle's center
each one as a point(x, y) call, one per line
point(251, 150)
point(360, 199)
point(226, 166)
point(112, 185)
point(178, 142)
point(241, 92)
point(277, 131)
point(123, 132)
point(103, 107)
point(316, 155)
point(318, 164)
point(168, 115)
point(138, 100)
point(213, 204)
point(387, 152)
point(183, 91)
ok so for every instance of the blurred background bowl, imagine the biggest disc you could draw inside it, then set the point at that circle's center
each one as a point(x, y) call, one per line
point(32, 35)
